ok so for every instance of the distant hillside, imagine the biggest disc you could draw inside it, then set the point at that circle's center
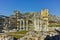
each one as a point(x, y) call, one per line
point(54, 18)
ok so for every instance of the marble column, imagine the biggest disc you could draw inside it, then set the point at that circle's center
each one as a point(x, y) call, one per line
point(47, 26)
point(20, 24)
point(41, 25)
point(38, 25)
point(26, 24)
point(23, 25)
point(35, 24)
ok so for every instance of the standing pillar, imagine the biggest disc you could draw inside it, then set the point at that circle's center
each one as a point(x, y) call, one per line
point(47, 25)
point(41, 25)
point(20, 24)
point(38, 26)
point(23, 25)
point(34, 22)
point(44, 16)
point(26, 24)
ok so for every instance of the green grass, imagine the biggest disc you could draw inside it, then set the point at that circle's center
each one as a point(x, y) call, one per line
point(14, 34)
point(19, 32)
point(17, 36)
point(54, 25)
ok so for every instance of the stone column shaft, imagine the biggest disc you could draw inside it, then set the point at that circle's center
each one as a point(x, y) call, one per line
point(23, 24)
point(35, 24)
point(38, 25)
point(20, 24)
point(26, 24)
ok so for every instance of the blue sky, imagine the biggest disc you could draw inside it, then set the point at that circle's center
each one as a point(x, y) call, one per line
point(8, 6)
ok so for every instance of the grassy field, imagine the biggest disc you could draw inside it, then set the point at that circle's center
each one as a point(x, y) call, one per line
point(54, 25)
point(15, 34)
